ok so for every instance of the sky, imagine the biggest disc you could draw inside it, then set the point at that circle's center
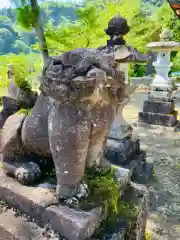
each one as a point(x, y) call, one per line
point(4, 3)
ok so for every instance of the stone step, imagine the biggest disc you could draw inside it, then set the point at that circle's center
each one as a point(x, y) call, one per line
point(168, 120)
point(19, 228)
point(158, 107)
point(37, 203)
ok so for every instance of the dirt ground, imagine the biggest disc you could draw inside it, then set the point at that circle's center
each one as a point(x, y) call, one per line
point(163, 148)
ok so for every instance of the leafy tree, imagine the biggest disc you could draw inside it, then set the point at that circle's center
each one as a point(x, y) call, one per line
point(88, 29)
point(29, 17)
point(167, 19)
point(176, 63)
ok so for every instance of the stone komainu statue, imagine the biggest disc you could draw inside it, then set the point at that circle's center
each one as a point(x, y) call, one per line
point(69, 122)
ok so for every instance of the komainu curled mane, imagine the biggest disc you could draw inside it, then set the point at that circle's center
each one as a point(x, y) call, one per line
point(69, 123)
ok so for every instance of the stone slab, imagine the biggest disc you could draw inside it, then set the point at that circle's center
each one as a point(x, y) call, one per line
point(120, 131)
point(137, 195)
point(158, 107)
point(160, 95)
point(121, 152)
point(130, 170)
point(72, 224)
point(167, 120)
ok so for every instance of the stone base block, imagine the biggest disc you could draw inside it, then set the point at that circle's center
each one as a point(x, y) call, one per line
point(122, 152)
point(163, 96)
point(72, 224)
point(158, 107)
point(131, 225)
point(145, 175)
point(168, 120)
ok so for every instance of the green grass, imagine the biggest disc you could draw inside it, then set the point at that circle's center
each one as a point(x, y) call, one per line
point(3, 91)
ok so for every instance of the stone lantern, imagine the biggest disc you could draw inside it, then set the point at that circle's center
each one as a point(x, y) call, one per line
point(123, 146)
point(159, 108)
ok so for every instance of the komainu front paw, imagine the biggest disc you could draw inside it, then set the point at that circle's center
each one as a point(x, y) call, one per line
point(28, 173)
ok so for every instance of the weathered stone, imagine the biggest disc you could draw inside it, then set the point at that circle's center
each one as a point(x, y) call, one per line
point(70, 120)
point(26, 98)
point(74, 225)
point(118, 232)
point(123, 177)
point(139, 230)
point(10, 138)
point(160, 96)
point(158, 118)
point(158, 107)
point(9, 104)
point(68, 222)
point(145, 174)
point(35, 128)
point(97, 73)
point(121, 152)
point(120, 128)
point(3, 117)
point(137, 196)
point(29, 200)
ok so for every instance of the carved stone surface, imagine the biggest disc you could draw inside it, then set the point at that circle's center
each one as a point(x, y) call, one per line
point(72, 224)
point(158, 118)
point(24, 97)
point(121, 152)
point(70, 120)
point(139, 196)
point(160, 96)
point(158, 107)
point(81, 91)
point(10, 106)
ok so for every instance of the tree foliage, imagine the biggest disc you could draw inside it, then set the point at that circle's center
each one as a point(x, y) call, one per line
point(68, 27)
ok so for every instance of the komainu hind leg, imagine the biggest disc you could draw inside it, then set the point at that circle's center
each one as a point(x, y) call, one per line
point(15, 162)
point(25, 173)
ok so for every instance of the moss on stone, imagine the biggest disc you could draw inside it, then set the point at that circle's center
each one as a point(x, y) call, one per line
point(23, 83)
point(21, 77)
point(104, 191)
point(25, 111)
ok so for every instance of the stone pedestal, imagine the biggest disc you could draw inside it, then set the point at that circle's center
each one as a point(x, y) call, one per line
point(159, 109)
point(158, 112)
point(123, 146)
